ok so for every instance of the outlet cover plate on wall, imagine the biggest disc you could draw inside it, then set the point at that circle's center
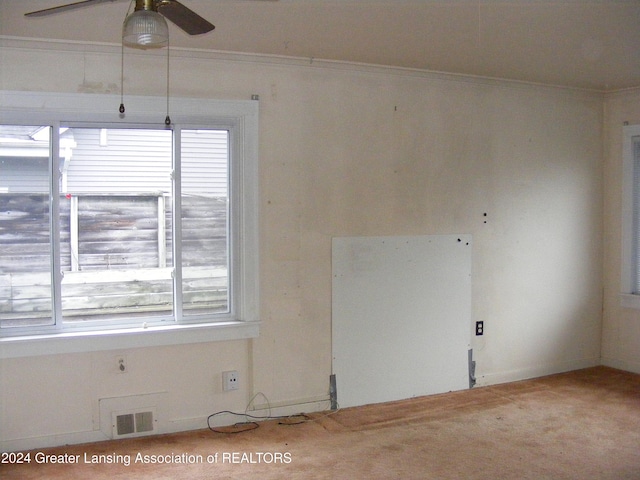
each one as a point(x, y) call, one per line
point(230, 380)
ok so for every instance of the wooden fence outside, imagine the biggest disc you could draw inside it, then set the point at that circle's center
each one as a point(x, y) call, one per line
point(116, 255)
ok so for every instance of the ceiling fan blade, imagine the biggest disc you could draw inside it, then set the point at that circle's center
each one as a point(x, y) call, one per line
point(183, 17)
point(64, 8)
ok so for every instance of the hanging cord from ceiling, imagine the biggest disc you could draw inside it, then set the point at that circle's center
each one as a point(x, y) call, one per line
point(167, 120)
point(122, 109)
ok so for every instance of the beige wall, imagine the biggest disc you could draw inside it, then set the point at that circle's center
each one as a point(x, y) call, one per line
point(350, 150)
point(621, 326)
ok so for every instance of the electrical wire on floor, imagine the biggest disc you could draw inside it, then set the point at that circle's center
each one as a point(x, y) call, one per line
point(251, 422)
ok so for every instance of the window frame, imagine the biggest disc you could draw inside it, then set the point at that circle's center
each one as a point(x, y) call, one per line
point(630, 265)
point(240, 117)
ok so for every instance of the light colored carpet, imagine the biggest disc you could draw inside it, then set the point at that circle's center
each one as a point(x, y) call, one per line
point(579, 425)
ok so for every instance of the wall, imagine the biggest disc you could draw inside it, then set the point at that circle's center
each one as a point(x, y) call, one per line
point(621, 326)
point(350, 150)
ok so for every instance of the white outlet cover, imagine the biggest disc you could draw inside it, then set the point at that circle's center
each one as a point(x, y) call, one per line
point(230, 380)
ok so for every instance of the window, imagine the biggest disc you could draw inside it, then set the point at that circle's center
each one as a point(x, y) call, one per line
point(126, 224)
point(631, 218)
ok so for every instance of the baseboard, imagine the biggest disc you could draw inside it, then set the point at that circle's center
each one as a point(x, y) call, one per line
point(48, 441)
point(484, 380)
point(259, 411)
point(199, 423)
point(629, 366)
point(316, 404)
point(282, 409)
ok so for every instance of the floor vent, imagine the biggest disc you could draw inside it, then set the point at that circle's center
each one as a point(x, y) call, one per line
point(133, 424)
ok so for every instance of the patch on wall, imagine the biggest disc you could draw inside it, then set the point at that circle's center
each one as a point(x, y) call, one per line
point(401, 316)
point(133, 415)
point(98, 87)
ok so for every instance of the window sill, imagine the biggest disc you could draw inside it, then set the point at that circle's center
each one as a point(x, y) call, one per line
point(629, 300)
point(76, 342)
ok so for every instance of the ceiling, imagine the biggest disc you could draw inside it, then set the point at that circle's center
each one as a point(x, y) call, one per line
point(592, 44)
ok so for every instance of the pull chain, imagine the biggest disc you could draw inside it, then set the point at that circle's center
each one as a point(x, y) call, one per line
point(167, 120)
point(122, 80)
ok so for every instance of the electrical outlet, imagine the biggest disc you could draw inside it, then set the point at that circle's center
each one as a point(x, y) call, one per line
point(479, 328)
point(230, 380)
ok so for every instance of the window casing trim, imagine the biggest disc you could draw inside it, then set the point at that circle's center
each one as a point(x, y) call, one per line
point(119, 339)
point(629, 298)
point(30, 108)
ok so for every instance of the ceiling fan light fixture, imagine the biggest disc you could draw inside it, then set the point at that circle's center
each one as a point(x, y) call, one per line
point(145, 29)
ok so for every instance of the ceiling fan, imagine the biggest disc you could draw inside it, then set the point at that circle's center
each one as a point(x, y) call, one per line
point(146, 27)
point(176, 12)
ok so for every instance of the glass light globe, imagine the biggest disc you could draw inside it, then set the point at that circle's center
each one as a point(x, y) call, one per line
point(145, 29)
